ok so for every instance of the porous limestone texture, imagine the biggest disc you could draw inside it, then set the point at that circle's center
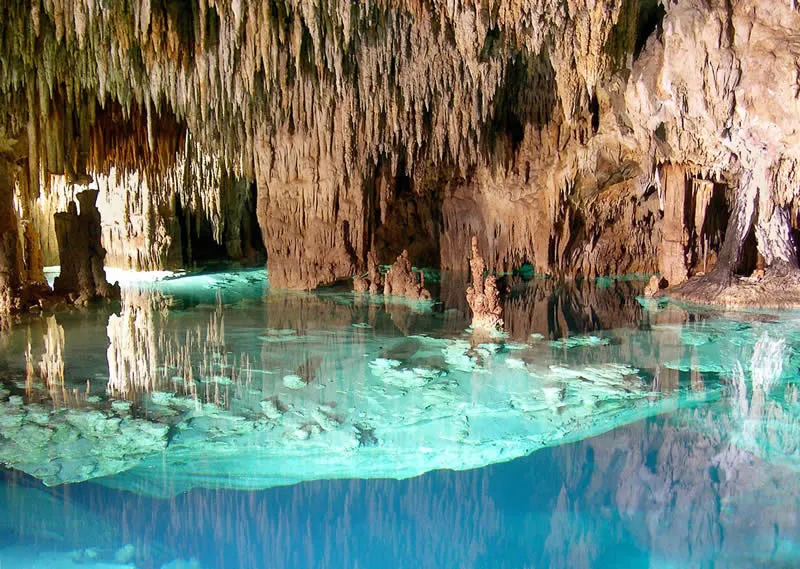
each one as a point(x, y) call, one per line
point(402, 280)
point(583, 138)
point(482, 295)
point(73, 445)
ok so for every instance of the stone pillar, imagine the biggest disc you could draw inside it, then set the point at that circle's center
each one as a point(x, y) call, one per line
point(9, 232)
point(672, 253)
point(81, 251)
point(482, 295)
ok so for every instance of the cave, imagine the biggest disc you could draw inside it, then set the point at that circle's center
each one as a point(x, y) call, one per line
point(431, 284)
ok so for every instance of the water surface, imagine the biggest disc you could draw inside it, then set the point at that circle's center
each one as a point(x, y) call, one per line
point(209, 421)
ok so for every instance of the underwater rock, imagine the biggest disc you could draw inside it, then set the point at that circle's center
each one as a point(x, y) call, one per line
point(482, 295)
point(75, 445)
point(125, 554)
point(182, 564)
point(293, 381)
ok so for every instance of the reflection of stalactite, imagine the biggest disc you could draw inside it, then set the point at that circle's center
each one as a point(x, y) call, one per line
point(145, 355)
point(766, 366)
point(132, 350)
point(49, 370)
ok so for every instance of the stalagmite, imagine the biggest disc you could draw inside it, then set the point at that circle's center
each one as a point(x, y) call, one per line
point(482, 295)
point(82, 273)
point(373, 282)
point(401, 280)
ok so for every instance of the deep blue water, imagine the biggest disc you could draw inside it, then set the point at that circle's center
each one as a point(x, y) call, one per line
point(649, 494)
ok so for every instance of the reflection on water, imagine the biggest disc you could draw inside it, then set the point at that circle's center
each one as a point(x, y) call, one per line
point(653, 494)
point(212, 418)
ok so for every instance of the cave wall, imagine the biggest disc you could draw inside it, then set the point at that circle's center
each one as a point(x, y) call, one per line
point(548, 129)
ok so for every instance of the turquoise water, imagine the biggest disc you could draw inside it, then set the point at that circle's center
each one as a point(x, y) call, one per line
point(208, 421)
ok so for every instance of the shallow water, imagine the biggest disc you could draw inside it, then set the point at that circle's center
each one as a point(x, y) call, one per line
point(211, 422)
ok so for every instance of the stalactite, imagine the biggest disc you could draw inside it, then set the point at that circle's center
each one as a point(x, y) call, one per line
point(430, 95)
point(533, 112)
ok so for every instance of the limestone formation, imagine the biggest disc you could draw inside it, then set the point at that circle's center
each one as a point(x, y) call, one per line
point(402, 280)
point(583, 138)
point(81, 252)
point(373, 282)
point(483, 297)
point(360, 284)
point(9, 251)
point(654, 286)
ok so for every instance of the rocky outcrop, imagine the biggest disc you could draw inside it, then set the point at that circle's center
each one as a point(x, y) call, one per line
point(402, 280)
point(82, 274)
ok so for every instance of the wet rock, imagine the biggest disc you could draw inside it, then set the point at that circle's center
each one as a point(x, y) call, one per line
point(482, 295)
point(654, 285)
point(373, 282)
point(401, 280)
point(81, 253)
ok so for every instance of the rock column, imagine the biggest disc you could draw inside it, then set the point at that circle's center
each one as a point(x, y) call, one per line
point(81, 251)
point(482, 295)
point(9, 233)
point(672, 254)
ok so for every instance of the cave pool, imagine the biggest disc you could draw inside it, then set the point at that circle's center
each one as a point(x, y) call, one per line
point(208, 421)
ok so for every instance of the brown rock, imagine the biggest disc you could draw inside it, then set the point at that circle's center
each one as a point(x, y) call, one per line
point(81, 252)
point(674, 237)
point(654, 285)
point(373, 282)
point(401, 280)
point(360, 284)
point(482, 295)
